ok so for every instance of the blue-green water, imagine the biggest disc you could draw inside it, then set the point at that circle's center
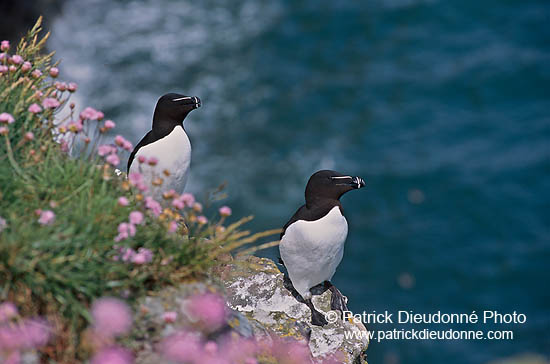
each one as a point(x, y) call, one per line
point(442, 106)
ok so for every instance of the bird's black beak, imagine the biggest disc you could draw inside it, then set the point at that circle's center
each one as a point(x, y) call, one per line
point(358, 182)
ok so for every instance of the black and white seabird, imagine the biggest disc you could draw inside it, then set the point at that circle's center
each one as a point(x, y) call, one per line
point(168, 142)
point(312, 241)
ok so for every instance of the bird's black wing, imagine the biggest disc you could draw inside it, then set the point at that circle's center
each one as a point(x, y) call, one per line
point(297, 216)
point(147, 139)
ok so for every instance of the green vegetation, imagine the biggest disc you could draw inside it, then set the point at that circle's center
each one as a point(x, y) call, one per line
point(62, 210)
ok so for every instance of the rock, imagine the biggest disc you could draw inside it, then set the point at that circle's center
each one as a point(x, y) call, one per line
point(261, 304)
point(257, 288)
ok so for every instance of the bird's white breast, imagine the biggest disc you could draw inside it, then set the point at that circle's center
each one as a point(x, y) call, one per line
point(174, 155)
point(311, 250)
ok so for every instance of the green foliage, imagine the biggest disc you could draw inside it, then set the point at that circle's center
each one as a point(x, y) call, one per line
point(57, 269)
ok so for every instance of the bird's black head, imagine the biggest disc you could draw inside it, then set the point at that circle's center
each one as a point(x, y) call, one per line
point(172, 108)
point(328, 184)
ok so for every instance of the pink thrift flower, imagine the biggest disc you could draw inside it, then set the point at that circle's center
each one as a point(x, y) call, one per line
point(178, 203)
point(142, 159)
point(136, 218)
point(153, 205)
point(36, 73)
point(26, 67)
point(113, 355)
point(225, 211)
point(64, 146)
point(27, 334)
point(6, 118)
point(127, 145)
point(126, 228)
point(197, 206)
point(50, 103)
point(5, 45)
point(209, 309)
point(105, 149)
point(90, 113)
point(291, 351)
point(113, 159)
point(75, 126)
point(153, 161)
point(142, 256)
point(12, 68)
point(112, 317)
point(211, 348)
point(17, 59)
point(54, 71)
point(202, 219)
point(142, 187)
point(188, 199)
point(135, 178)
point(47, 217)
point(169, 316)
point(7, 311)
point(139, 259)
point(119, 140)
point(109, 124)
point(182, 347)
point(35, 108)
point(3, 69)
point(127, 254)
point(12, 358)
point(28, 136)
point(61, 86)
point(3, 130)
point(172, 227)
point(123, 201)
point(72, 87)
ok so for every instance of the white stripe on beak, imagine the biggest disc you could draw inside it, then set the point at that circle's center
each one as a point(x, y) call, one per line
point(183, 98)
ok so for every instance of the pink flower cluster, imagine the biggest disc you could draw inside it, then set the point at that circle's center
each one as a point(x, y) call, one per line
point(6, 118)
point(153, 205)
point(208, 309)
point(90, 113)
point(128, 229)
point(225, 211)
point(185, 200)
point(47, 217)
point(190, 347)
point(129, 255)
point(136, 180)
point(111, 318)
point(50, 103)
point(17, 334)
point(123, 143)
point(113, 355)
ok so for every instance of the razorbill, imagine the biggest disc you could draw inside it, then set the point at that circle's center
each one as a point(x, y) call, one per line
point(168, 143)
point(312, 241)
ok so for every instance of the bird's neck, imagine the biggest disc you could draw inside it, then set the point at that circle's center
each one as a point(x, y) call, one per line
point(315, 202)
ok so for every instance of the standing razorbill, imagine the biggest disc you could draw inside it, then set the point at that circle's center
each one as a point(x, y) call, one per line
point(312, 241)
point(168, 142)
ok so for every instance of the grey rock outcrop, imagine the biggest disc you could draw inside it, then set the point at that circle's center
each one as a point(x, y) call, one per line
point(262, 304)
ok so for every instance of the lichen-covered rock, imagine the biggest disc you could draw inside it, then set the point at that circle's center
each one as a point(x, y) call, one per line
point(258, 289)
point(261, 304)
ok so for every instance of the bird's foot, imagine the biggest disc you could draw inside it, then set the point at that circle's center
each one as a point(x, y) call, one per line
point(317, 318)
